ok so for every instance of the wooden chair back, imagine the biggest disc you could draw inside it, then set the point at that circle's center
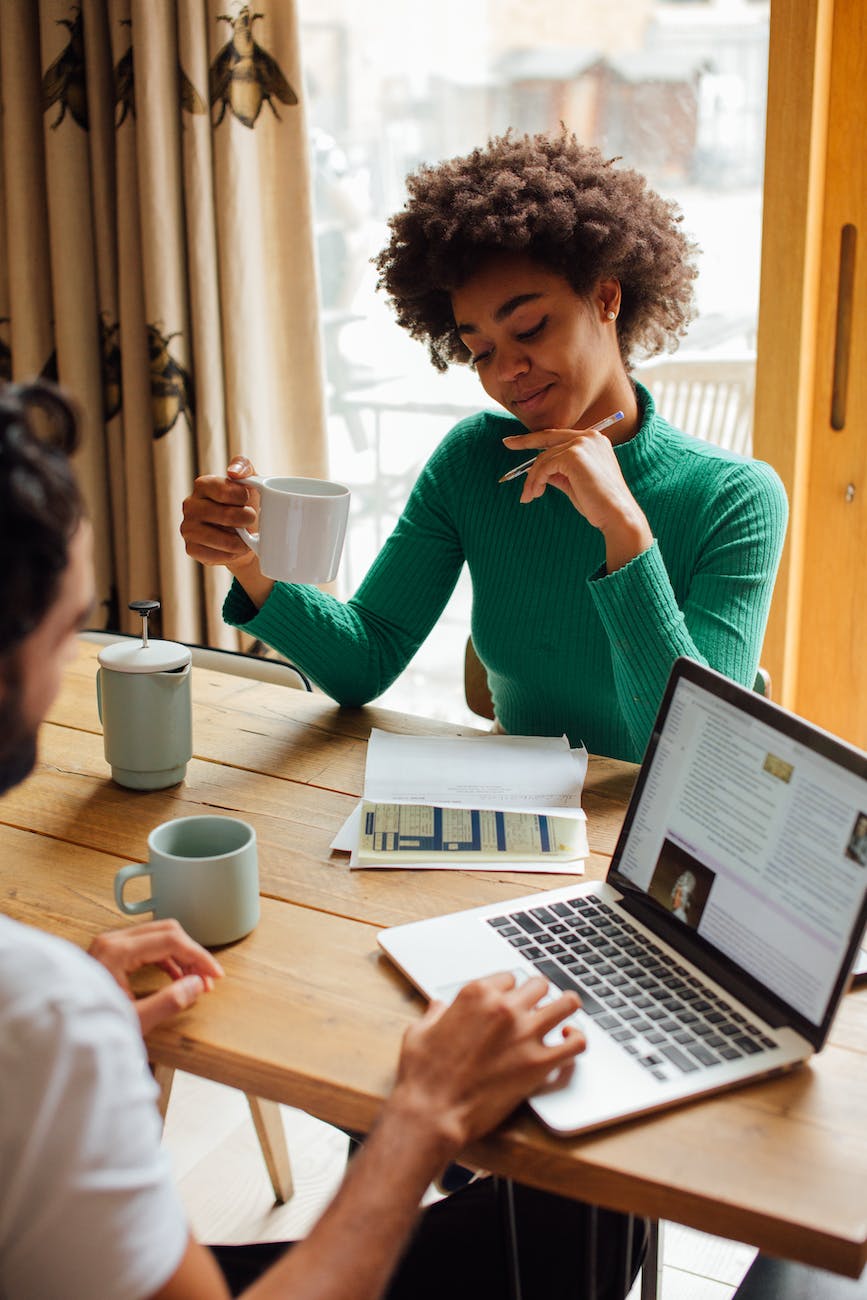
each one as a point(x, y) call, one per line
point(712, 399)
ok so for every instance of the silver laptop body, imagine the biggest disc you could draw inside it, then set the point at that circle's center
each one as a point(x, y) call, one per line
point(720, 945)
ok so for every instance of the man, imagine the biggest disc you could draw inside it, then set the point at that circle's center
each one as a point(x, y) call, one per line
point(86, 1203)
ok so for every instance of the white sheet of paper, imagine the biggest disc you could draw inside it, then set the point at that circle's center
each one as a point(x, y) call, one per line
point(509, 773)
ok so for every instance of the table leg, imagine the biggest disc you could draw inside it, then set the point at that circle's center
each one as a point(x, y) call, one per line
point(164, 1076)
point(272, 1139)
point(652, 1266)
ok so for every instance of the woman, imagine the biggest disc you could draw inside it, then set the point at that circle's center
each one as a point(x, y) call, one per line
point(549, 270)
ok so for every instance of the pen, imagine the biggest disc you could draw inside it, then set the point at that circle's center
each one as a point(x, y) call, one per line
point(597, 427)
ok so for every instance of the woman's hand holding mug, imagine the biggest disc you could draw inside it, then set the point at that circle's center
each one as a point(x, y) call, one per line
point(302, 526)
point(213, 512)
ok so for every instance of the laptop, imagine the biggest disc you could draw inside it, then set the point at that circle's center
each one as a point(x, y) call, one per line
point(719, 946)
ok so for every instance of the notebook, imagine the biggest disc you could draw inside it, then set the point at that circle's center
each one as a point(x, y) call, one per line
point(719, 946)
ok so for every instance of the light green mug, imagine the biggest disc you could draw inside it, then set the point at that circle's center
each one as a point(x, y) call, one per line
point(204, 873)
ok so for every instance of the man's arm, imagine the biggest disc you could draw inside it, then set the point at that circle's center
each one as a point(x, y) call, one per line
point(462, 1070)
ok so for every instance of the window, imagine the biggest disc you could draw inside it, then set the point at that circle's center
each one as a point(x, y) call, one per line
point(675, 87)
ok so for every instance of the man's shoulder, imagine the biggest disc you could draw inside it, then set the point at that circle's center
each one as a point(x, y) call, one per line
point(79, 1131)
point(24, 949)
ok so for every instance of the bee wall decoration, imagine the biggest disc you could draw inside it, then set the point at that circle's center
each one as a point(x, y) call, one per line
point(171, 385)
point(65, 80)
point(243, 76)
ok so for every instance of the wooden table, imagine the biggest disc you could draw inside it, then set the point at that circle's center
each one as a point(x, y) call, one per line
point(310, 1014)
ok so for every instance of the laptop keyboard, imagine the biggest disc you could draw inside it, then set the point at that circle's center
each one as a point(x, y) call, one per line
point(659, 1012)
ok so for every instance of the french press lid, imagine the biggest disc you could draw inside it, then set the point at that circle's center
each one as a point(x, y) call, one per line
point(144, 656)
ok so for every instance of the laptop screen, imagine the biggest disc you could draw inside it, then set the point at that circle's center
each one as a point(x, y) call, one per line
point(750, 827)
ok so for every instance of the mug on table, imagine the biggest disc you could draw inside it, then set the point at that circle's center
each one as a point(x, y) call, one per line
point(203, 872)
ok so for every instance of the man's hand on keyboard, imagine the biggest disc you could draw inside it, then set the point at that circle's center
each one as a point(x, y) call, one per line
point(468, 1065)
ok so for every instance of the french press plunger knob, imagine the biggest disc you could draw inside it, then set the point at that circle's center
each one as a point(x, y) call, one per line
point(145, 608)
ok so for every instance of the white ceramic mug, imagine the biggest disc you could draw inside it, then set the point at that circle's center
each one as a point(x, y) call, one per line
point(302, 524)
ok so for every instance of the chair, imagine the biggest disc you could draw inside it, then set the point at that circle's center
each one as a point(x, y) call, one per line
point(266, 1116)
point(476, 690)
point(708, 397)
point(254, 666)
point(778, 1279)
point(762, 684)
point(276, 671)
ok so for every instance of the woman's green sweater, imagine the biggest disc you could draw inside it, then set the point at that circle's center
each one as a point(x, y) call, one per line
point(568, 647)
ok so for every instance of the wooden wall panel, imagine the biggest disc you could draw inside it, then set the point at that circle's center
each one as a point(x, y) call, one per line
point(832, 680)
point(795, 151)
point(815, 184)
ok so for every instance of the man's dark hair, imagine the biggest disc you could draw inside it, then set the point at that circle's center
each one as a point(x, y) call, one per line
point(40, 503)
point(558, 201)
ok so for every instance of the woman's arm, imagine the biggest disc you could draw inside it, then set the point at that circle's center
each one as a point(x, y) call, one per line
point(721, 620)
point(354, 650)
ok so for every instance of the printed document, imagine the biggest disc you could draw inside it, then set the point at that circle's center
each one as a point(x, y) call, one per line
point(507, 774)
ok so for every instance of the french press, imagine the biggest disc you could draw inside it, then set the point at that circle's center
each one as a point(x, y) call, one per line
point(145, 706)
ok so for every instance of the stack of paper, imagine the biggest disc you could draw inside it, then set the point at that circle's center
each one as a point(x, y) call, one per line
point(470, 802)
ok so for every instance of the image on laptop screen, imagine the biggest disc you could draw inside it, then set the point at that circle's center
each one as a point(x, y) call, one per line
point(754, 839)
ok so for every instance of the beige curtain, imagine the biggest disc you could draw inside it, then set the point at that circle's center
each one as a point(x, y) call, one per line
point(157, 258)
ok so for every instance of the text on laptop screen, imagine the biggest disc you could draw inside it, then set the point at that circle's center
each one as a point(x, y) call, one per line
point(754, 840)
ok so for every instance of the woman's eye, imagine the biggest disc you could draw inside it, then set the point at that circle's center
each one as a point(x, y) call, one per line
point(476, 361)
point(532, 333)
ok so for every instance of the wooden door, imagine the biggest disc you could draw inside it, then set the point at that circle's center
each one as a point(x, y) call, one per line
point(832, 687)
point(811, 392)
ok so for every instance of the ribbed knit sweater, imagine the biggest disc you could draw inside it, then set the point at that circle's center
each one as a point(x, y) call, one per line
point(568, 647)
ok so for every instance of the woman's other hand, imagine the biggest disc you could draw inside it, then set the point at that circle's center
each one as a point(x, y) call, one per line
point(583, 466)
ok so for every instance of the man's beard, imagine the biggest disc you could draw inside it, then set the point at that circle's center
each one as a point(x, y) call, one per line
point(17, 740)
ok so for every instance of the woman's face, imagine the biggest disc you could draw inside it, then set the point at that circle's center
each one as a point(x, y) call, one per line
point(547, 355)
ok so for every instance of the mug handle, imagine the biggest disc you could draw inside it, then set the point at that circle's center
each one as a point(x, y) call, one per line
point(252, 539)
point(129, 873)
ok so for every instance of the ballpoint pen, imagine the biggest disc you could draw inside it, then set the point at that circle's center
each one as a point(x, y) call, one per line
point(597, 427)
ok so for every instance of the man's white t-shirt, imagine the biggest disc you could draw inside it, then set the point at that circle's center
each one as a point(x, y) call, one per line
point(87, 1205)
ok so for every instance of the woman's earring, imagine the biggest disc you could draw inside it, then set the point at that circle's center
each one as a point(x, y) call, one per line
point(611, 315)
